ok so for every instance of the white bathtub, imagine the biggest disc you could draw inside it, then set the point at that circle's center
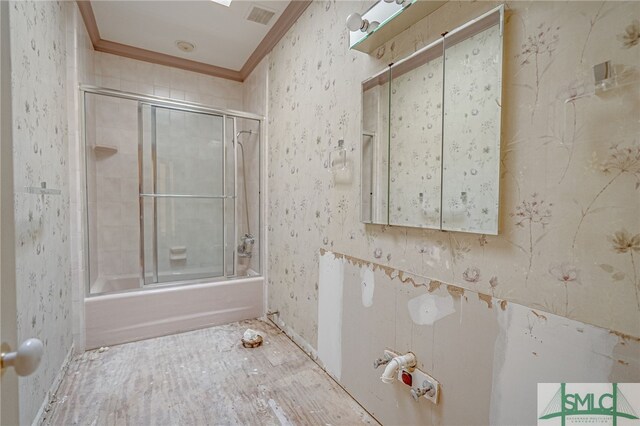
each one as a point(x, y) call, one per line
point(112, 319)
point(113, 283)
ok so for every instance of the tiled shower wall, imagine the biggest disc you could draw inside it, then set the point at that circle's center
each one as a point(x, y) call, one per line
point(130, 75)
point(113, 186)
point(569, 206)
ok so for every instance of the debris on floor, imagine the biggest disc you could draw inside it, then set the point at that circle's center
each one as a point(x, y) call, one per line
point(251, 339)
point(95, 354)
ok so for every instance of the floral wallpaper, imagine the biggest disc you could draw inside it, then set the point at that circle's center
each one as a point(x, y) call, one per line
point(569, 234)
point(43, 272)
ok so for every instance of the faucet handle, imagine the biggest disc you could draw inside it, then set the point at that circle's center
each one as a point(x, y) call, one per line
point(426, 389)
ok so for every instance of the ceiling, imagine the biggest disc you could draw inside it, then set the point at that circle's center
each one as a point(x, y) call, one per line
point(222, 35)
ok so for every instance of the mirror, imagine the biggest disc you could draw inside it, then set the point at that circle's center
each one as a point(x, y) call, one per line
point(375, 149)
point(415, 140)
point(431, 134)
point(471, 144)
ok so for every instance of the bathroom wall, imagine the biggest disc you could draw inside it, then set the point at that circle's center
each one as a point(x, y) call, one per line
point(43, 271)
point(488, 354)
point(569, 221)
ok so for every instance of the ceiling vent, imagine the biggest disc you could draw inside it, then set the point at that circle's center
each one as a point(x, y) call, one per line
point(260, 15)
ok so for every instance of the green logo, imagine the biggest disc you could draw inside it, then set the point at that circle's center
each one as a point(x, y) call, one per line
point(612, 405)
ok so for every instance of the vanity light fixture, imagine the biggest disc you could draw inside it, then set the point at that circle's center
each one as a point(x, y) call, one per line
point(355, 23)
point(366, 25)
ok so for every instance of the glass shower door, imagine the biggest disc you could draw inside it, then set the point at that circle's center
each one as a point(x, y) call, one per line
point(184, 195)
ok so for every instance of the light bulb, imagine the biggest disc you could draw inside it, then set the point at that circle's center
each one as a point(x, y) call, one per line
point(373, 26)
point(355, 22)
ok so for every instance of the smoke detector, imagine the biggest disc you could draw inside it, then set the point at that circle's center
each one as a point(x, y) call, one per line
point(260, 15)
point(185, 46)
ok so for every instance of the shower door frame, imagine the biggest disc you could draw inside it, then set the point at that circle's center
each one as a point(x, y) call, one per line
point(154, 195)
point(186, 106)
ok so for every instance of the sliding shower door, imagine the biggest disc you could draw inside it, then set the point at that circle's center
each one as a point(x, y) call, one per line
point(187, 196)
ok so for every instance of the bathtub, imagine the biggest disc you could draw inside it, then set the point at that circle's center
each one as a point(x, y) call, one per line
point(112, 319)
point(113, 283)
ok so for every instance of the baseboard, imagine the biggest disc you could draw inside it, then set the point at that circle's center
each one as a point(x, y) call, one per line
point(295, 337)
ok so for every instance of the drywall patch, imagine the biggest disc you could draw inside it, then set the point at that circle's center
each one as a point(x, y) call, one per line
point(532, 348)
point(426, 309)
point(330, 286)
point(367, 282)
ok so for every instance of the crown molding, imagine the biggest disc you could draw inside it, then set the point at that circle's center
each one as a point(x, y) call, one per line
point(286, 20)
point(127, 51)
point(86, 11)
point(289, 17)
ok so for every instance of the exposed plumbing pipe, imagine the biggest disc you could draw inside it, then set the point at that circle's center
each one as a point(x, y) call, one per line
point(407, 360)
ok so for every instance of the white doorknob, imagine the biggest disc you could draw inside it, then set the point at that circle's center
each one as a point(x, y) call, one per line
point(27, 359)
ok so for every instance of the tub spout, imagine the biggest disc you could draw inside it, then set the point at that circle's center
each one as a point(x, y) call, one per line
point(407, 360)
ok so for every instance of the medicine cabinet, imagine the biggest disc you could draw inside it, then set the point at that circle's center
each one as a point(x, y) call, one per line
point(431, 133)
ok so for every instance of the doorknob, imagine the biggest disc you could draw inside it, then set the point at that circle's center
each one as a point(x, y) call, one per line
point(26, 360)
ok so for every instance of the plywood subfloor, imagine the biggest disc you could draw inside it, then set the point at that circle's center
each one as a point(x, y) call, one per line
point(202, 377)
